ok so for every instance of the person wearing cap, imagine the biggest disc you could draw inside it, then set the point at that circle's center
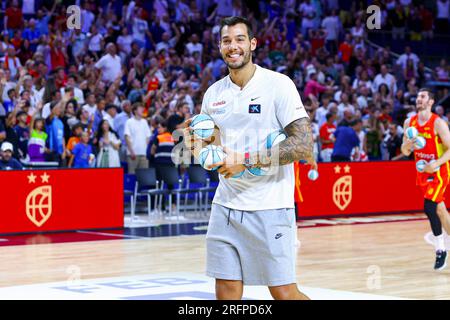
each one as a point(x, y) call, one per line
point(7, 162)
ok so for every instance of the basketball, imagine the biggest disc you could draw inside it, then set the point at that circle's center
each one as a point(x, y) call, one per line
point(211, 154)
point(272, 140)
point(420, 165)
point(275, 138)
point(420, 143)
point(313, 174)
point(411, 132)
point(203, 126)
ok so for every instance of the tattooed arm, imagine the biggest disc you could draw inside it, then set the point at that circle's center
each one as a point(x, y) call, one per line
point(298, 146)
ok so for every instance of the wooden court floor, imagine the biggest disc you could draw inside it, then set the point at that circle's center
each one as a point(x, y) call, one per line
point(382, 258)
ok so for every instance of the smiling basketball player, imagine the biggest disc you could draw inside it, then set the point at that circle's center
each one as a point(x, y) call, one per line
point(251, 233)
point(435, 177)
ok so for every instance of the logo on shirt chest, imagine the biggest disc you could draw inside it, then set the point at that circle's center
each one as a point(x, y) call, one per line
point(254, 108)
point(219, 103)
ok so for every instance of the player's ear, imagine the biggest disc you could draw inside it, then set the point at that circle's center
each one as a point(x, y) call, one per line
point(253, 43)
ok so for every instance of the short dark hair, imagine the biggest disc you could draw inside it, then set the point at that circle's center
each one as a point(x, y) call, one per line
point(135, 106)
point(329, 115)
point(429, 91)
point(232, 21)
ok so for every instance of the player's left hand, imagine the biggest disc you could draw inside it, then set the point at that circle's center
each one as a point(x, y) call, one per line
point(231, 165)
point(430, 168)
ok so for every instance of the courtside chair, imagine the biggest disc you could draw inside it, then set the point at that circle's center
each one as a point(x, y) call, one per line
point(214, 182)
point(129, 189)
point(200, 176)
point(170, 176)
point(148, 186)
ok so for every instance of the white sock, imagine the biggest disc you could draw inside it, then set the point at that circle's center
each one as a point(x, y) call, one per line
point(440, 245)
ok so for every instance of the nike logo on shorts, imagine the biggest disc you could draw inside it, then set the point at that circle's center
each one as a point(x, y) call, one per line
point(278, 236)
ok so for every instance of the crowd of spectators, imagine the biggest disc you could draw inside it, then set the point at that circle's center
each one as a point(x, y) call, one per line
point(111, 92)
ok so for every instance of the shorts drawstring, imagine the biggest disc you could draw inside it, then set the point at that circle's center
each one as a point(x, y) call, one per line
point(229, 213)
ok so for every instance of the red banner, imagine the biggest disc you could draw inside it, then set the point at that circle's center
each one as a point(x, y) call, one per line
point(361, 188)
point(60, 200)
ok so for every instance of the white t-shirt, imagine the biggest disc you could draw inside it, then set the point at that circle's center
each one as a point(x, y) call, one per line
point(90, 109)
point(388, 80)
point(78, 95)
point(403, 60)
point(443, 9)
point(269, 102)
point(140, 28)
point(87, 18)
point(342, 108)
point(95, 43)
point(46, 110)
point(125, 43)
point(308, 10)
point(110, 66)
point(28, 7)
point(139, 132)
point(331, 25)
point(192, 47)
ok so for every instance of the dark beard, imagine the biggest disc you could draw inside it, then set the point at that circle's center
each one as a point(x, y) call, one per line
point(239, 66)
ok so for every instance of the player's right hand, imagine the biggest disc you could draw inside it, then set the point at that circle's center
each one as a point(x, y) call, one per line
point(409, 143)
point(188, 134)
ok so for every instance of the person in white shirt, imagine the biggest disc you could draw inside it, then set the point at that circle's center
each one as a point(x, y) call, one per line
point(87, 18)
point(345, 105)
point(90, 105)
point(124, 43)
point(358, 30)
point(252, 215)
point(332, 26)
point(442, 16)
point(308, 13)
point(194, 45)
point(403, 59)
point(385, 77)
point(28, 7)
point(78, 94)
point(140, 28)
point(110, 64)
point(95, 41)
point(11, 62)
point(137, 136)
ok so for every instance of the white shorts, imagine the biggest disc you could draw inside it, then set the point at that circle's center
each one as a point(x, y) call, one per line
point(256, 247)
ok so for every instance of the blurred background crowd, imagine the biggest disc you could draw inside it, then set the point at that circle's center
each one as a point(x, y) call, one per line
point(112, 92)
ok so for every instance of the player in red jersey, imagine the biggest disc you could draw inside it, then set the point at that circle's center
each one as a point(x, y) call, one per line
point(435, 177)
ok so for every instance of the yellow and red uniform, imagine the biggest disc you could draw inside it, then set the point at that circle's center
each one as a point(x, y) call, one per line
point(433, 185)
